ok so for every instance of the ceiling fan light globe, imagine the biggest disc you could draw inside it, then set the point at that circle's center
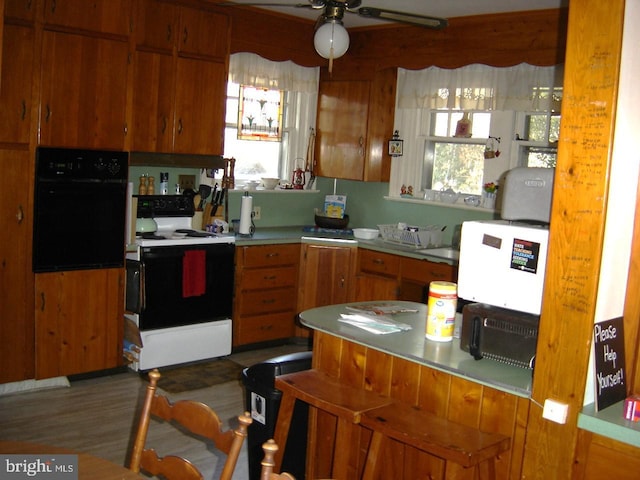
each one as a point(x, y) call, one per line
point(328, 35)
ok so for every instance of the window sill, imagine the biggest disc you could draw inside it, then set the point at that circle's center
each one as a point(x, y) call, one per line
point(458, 205)
point(276, 190)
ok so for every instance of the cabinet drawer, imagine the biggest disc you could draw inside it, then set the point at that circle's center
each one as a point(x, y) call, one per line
point(265, 301)
point(379, 263)
point(426, 271)
point(265, 327)
point(270, 255)
point(261, 278)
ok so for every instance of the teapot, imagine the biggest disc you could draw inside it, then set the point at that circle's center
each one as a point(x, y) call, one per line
point(146, 225)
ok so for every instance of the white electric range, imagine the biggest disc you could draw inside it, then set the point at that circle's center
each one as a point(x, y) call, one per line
point(179, 286)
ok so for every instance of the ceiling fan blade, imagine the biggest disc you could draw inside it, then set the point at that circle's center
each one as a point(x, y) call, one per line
point(314, 4)
point(402, 17)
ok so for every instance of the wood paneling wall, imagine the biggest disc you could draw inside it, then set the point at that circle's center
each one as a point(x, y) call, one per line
point(507, 39)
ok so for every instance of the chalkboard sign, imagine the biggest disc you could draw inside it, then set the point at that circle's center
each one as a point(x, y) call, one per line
point(608, 340)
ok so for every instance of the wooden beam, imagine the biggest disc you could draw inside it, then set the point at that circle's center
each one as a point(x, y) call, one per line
point(592, 68)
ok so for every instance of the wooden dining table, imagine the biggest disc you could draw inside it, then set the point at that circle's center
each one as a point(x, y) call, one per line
point(90, 467)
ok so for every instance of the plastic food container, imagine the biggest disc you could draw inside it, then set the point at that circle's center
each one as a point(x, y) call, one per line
point(365, 233)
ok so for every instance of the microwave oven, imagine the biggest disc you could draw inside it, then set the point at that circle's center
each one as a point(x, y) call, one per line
point(502, 263)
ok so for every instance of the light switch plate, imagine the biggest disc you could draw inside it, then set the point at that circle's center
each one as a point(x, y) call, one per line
point(555, 411)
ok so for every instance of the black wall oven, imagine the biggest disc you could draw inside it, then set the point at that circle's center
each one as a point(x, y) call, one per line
point(79, 209)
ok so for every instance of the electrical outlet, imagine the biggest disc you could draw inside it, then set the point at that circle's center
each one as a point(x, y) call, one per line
point(555, 411)
point(187, 181)
point(256, 212)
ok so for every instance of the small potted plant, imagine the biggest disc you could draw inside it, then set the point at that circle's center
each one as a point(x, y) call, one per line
point(489, 190)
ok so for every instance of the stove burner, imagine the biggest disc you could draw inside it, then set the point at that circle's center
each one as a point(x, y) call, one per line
point(150, 236)
point(194, 233)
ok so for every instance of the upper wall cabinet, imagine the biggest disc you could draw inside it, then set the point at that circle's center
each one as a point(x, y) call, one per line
point(106, 16)
point(354, 123)
point(181, 67)
point(83, 97)
point(20, 9)
point(17, 80)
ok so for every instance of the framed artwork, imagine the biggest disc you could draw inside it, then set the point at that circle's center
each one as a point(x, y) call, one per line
point(260, 114)
point(395, 145)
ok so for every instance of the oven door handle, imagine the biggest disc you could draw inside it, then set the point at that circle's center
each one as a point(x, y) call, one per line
point(142, 300)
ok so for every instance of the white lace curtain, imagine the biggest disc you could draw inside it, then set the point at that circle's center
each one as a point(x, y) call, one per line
point(475, 87)
point(252, 69)
point(480, 87)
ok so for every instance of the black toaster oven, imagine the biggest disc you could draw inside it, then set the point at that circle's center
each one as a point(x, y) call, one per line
point(500, 334)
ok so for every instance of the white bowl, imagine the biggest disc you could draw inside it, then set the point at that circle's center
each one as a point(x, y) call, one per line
point(365, 233)
point(270, 183)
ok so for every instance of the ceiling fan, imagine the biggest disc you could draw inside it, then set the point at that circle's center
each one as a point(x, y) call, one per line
point(331, 39)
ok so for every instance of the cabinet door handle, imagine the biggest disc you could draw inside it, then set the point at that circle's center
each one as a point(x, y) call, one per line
point(271, 254)
point(378, 261)
point(270, 277)
point(342, 281)
point(47, 115)
point(126, 129)
point(169, 33)
point(24, 110)
point(20, 214)
point(180, 126)
point(42, 303)
point(185, 35)
point(53, 6)
point(268, 301)
point(164, 125)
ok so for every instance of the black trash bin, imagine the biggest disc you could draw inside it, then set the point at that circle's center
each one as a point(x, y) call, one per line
point(262, 399)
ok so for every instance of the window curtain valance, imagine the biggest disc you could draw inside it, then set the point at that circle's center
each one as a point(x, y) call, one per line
point(480, 87)
point(252, 69)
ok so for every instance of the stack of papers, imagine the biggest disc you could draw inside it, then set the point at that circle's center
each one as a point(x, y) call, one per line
point(377, 324)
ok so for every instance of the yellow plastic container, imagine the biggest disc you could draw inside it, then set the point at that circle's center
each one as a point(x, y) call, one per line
point(441, 311)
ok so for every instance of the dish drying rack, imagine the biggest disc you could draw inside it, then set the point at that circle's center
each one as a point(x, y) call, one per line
point(418, 237)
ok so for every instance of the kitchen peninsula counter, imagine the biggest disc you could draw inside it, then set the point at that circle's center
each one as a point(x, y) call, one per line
point(412, 345)
point(437, 376)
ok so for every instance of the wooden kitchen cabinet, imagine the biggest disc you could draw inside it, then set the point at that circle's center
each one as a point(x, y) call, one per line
point(16, 84)
point(377, 276)
point(20, 9)
point(179, 86)
point(354, 122)
point(83, 96)
point(266, 282)
point(387, 276)
point(16, 279)
point(79, 321)
point(416, 275)
point(327, 276)
point(105, 16)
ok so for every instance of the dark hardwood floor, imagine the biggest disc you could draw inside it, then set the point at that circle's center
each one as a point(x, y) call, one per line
point(99, 415)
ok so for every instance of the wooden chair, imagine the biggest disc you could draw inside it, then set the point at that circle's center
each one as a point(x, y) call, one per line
point(268, 463)
point(193, 416)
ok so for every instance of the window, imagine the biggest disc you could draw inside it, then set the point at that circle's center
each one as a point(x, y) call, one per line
point(254, 159)
point(456, 163)
point(297, 87)
point(515, 120)
point(539, 142)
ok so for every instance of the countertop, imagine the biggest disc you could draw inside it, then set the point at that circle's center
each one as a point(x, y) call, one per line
point(413, 346)
point(296, 234)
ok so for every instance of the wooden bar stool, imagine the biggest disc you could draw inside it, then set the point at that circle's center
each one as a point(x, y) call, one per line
point(450, 441)
point(330, 395)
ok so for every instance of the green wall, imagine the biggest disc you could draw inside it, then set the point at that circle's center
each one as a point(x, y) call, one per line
point(366, 204)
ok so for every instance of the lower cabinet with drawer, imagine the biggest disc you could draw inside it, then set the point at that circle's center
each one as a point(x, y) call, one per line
point(385, 276)
point(266, 284)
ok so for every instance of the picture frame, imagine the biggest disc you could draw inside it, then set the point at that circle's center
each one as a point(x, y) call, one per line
point(395, 147)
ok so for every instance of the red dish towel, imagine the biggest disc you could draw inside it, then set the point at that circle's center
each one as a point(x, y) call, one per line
point(194, 277)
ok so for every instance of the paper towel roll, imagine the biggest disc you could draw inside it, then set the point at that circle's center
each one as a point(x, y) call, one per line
point(246, 209)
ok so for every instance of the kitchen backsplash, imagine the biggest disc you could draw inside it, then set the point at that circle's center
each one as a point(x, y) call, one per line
point(366, 204)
